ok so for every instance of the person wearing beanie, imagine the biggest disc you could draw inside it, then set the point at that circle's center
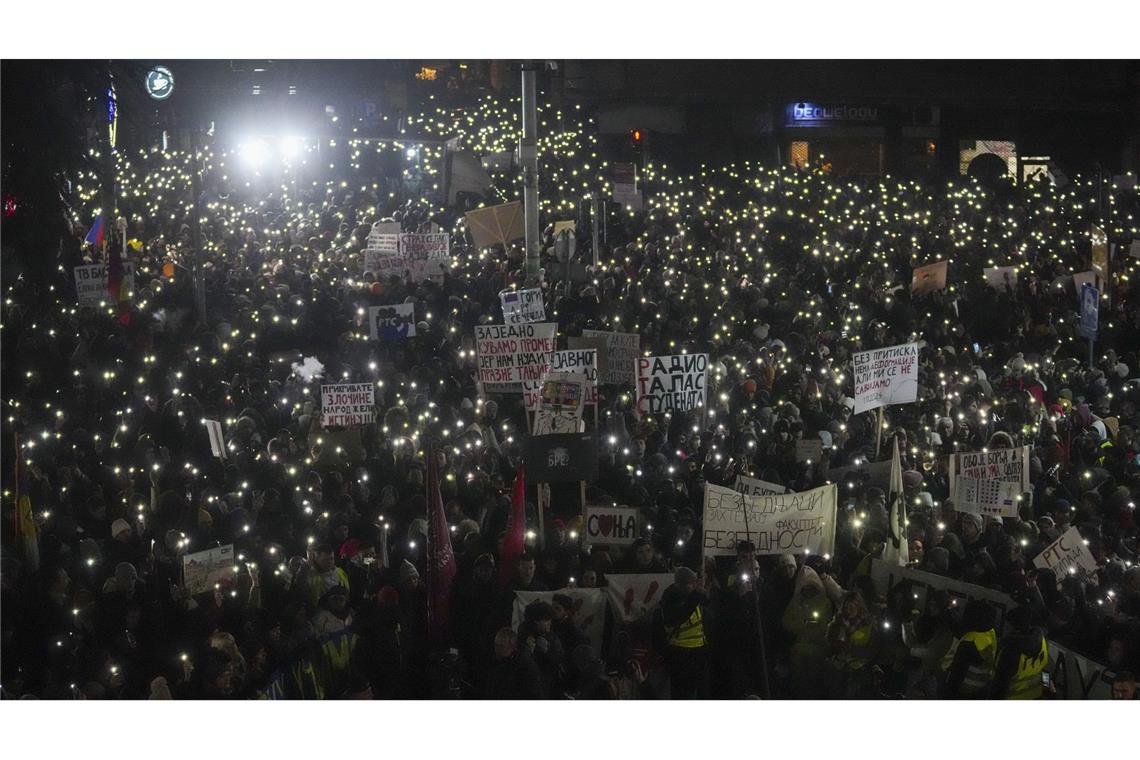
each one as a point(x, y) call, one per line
point(681, 613)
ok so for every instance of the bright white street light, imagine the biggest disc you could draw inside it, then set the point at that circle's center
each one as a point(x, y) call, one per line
point(255, 152)
point(290, 147)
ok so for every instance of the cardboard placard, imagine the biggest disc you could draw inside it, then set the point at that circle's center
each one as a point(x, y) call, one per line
point(348, 404)
point(885, 376)
point(673, 383)
point(792, 523)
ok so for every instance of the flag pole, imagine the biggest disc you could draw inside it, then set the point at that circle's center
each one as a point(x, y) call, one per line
point(879, 435)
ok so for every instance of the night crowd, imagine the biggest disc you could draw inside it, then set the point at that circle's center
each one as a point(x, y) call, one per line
point(779, 274)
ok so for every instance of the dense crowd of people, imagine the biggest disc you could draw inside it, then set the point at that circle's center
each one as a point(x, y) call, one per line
point(778, 274)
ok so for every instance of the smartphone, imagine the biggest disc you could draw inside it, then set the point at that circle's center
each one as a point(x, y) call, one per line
point(1045, 680)
point(977, 349)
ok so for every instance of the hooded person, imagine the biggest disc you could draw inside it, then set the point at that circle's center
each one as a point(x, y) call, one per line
point(805, 621)
point(968, 665)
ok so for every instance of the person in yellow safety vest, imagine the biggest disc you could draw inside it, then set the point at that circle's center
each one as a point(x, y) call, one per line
point(968, 666)
point(682, 612)
point(323, 574)
point(1023, 657)
point(852, 639)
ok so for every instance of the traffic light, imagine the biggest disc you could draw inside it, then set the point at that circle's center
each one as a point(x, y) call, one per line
point(635, 138)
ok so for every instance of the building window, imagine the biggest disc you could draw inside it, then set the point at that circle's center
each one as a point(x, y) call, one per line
point(799, 154)
point(427, 74)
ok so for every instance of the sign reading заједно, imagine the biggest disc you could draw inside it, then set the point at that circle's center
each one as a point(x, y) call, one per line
point(885, 376)
point(510, 354)
point(672, 383)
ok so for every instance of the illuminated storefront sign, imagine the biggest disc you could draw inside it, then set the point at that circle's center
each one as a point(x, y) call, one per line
point(814, 114)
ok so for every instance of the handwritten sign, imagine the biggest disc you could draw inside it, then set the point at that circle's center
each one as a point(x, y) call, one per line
point(929, 279)
point(672, 383)
point(522, 306)
point(986, 497)
point(91, 283)
point(622, 352)
point(509, 354)
point(792, 523)
point(756, 487)
point(634, 596)
point(616, 526)
point(579, 362)
point(347, 404)
point(886, 376)
point(1006, 465)
point(1067, 556)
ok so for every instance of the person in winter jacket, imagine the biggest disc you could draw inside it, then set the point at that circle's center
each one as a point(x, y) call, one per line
point(1022, 658)
point(968, 666)
point(805, 620)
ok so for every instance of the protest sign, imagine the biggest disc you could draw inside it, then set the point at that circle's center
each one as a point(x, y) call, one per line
point(579, 362)
point(560, 402)
point(986, 497)
point(561, 458)
point(496, 225)
point(1007, 465)
point(756, 487)
point(424, 245)
point(1134, 249)
point(1077, 677)
point(809, 450)
point(886, 575)
point(1066, 556)
point(393, 322)
point(999, 277)
point(885, 376)
point(1090, 311)
point(634, 596)
point(510, 354)
point(575, 343)
point(383, 240)
point(929, 279)
point(672, 383)
point(616, 526)
point(347, 404)
point(791, 523)
point(872, 473)
point(565, 225)
point(1081, 279)
point(589, 613)
point(622, 351)
point(91, 283)
point(522, 306)
point(217, 441)
point(202, 570)
point(321, 672)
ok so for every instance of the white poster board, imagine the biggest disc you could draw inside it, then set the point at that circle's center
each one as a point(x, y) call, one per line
point(1067, 556)
point(885, 376)
point(394, 322)
point(756, 487)
point(622, 351)
point(1006, 465)
point(509, 354)
point(589, 611)
point(522, 306)
point(634, 596)
point(348, 404)
point(791, 523)
point(613, 526)
point(673, 383)
point(91, 283)
point(986, 497)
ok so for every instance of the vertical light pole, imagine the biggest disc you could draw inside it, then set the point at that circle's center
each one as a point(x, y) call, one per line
point(528, 159)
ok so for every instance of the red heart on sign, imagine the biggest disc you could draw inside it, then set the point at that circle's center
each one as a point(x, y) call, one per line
point(605, 524)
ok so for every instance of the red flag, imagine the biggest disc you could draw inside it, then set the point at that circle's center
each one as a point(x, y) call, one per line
point(515, 540)
point(441, 566)
point(115, 285)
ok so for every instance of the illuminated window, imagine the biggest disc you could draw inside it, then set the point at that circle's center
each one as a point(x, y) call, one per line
point(427, 74)
point(799, 154)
